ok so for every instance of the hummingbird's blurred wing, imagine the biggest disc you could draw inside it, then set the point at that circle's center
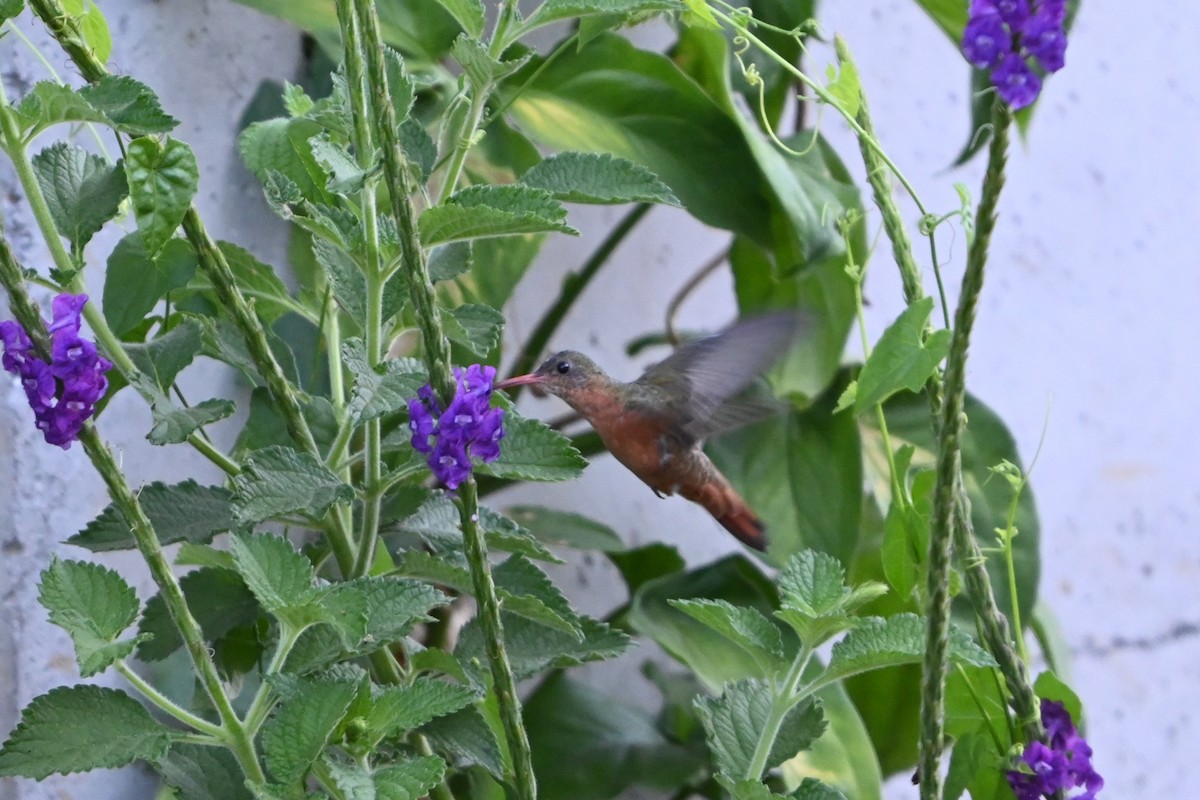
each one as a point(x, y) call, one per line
point(703, 376)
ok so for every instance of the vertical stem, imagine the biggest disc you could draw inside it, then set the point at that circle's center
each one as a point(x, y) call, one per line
point(949, 463)
point(493, 635)
point(781, 704)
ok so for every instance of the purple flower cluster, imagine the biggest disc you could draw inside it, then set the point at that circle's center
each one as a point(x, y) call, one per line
point(1002, 35)
point(63, 393)
point(467, 427)
point(1066, 763)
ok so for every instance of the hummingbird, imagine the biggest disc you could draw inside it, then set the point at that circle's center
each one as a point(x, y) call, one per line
point(657, 424)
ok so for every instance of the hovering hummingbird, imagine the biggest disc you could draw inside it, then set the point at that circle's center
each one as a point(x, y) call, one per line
point(656, 425)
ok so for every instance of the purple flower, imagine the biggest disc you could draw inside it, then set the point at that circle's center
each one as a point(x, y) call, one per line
point(1016, 83)
point(63, 393)
point(1003, 35)
point(467, 427)
point(1065, 763)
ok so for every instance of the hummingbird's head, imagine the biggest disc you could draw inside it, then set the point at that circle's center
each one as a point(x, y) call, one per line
point(567, 374)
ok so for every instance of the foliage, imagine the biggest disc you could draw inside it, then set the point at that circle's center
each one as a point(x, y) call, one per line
point(331, 661)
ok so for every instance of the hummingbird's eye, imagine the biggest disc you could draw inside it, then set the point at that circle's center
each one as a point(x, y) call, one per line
point(563, 367)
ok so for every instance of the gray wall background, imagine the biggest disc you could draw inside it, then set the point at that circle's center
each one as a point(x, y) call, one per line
point(1087, 330)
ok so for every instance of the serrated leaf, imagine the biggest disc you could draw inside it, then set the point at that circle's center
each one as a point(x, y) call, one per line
point(484, 211)
point(527, 591)
point(554, 10)
point(279, 576)
point(353, 780)
point(219, 601)
point(557, 527)
point(814, 598)
point(533, 647)
point(744, 626)
point(877, 642)
point(49, 103)
point(399, 709)
point(598, 178)
point(81, 728)
point(163, 358)
point(736, 721)
point(400, 85)
point(174, 425)
point(394, 606)
point(904, 357)
point(409, 780)
point(134, 282)
point(448, 261)
point(278, 480)
point(345, 175)
point(475, 326)
point(94, 605)
point(196, 772)
point(294, 737)
point(438, 522)
point(382, 391)
point(466, 736)
point(128, 105)
point(179, 512)
point(532, 451)
point(82, 190)
point(282, 146)
point(467, 13)
point(163, 178)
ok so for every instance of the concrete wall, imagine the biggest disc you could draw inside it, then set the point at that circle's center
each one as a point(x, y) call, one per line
point(1086, 327)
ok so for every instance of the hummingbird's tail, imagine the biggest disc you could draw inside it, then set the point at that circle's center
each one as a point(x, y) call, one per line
point(729, 509)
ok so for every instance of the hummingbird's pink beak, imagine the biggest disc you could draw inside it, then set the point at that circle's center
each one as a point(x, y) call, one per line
point(520, 380)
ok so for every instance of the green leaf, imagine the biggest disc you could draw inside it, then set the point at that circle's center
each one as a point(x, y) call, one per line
point(257, 280)
point(382, 390)
point(95, 31)
point(475, 326)
point(278, 480)
point(174, 425)
point(590, 746)
point(345, 175)
point(95, 606)
point(134, 282)
point(527, 591)
point(466, 736)
point(814, 598)
point(400, 85)
point(484, 211)
point(344, 275)
point(196, 772)
point(179, 512)
point(82, 190)
point(735, 721)
point(81, 728)
point(10, 9)
point(640, 565)
point(554, 10)
point(813, 789)
point(163, 178)
point(280, 577)
point(394, 606)
point(49, 103)
point(1049, 686)
point(900, 639)
point(844, 86)
point(294, 737)
point(532, 451)
point(419, 148)
point(438, 523)
point(128, 105)
point(284, 146)
point(556, 527)
point(746, 627)
point(218, 599)
point(986, 442)
point(448, 261)
point(163, 358)
point(904, 357)
point(398, 709)
point(598, 178)
point(409, 780)
point(533, 647)
point(735, 580)
point(973, 760)
point(468, 13)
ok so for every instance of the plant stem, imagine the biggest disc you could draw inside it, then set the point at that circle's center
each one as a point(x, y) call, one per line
point(781, 704)
point(166, 705)
point(573, 286)
point(493, 635)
